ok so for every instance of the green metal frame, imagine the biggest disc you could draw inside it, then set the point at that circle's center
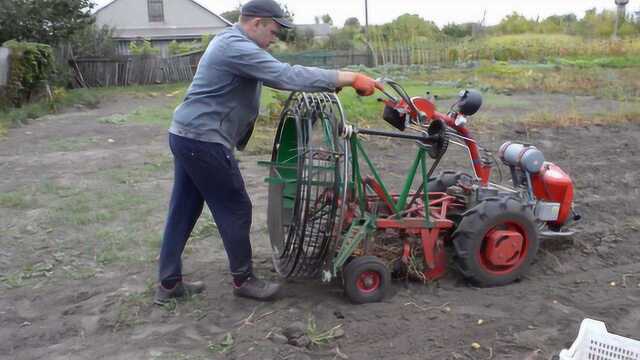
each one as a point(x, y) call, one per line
point(286, 166)
point(365, 226)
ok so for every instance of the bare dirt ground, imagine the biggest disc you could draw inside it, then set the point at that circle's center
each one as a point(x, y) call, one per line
point(82, 208)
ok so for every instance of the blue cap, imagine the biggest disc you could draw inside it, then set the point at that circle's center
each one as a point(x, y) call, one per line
point(266, 9)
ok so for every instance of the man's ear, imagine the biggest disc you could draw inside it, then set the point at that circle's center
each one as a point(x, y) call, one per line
point(255, 22)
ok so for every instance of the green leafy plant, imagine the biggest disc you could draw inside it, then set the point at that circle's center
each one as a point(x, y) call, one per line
point(31, 65)
point(143, 47)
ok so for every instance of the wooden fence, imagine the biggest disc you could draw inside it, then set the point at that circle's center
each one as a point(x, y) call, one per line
point(131, 70)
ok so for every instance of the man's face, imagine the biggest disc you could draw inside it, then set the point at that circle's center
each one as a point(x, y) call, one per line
point(266, 32)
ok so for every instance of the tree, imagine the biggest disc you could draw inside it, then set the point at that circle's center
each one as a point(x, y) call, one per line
point(92, 41)
point(43, 21)
point(457, 30)
point(232, 15)
point(516, 24)
point(352, 22)
point(326, 19)
point(594, 24)
point(410, 25)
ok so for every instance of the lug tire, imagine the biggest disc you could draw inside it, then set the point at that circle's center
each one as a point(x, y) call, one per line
point(443, 180)
point(470, 241)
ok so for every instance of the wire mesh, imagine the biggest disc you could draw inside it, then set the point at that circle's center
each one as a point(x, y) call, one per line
point(304, 208)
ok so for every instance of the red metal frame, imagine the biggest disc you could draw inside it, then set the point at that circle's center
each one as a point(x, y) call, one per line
point(412, 222)
point(428, 108)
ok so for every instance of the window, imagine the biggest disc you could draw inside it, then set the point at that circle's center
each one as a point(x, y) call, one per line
point(156, 10)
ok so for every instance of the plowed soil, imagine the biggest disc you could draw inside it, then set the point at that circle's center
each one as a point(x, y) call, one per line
point(62, 298)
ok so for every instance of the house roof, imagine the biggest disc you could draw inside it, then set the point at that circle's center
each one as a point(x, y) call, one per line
point(165, 33)
point(193, 1)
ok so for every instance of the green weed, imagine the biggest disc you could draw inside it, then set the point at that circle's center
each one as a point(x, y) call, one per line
point(322, 337)
point(223, 346)
point(130, 308)
point(31, 271)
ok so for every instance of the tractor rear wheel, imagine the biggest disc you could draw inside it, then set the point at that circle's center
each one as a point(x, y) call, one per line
point(496, 241)
point(366, 279)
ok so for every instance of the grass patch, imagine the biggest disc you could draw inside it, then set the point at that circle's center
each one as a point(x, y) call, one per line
point(62, 98)
point(31, 271)
point(154, 165)
point(20, 199)
point(172, 90)
point(130, 309)
point(261, 141)
point(605, 62)
point(72, 144)
point(205, 227)
point(152, 115)
point(555, 120)
point(115, 119)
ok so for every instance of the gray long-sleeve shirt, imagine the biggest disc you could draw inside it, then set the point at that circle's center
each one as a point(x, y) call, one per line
point(223, 100)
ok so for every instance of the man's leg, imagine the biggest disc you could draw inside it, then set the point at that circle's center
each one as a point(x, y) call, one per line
point(184, 209)
point(217, 177)
point(219, 180)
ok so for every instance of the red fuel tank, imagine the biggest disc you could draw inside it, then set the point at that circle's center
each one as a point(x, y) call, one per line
point(554, 185)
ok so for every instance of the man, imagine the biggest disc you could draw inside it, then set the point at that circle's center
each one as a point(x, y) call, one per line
point(218, 114)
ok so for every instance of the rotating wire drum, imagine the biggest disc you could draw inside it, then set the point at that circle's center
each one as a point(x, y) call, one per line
point(306, 184)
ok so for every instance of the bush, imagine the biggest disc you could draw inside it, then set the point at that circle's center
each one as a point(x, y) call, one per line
point(143, 48)
point(31, 65)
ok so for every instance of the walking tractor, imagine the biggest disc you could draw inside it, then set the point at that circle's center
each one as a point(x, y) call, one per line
point(329, 220)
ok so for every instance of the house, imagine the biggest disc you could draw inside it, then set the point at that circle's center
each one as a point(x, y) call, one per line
point(159, 21)
point(320, 31)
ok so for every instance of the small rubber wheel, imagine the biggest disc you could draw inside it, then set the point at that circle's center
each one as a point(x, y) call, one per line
point(366, 279)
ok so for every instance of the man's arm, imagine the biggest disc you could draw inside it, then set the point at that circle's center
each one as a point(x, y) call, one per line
point(248, 60)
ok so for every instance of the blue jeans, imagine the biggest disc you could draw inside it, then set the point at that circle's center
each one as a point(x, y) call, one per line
point(206, 172)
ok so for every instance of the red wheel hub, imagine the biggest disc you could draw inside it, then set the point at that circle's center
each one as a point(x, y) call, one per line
point(368, 281)
point(504, 249)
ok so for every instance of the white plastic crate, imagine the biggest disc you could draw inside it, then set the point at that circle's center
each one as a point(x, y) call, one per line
point(595, 343)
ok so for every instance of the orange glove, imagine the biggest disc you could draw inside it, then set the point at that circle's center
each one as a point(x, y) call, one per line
point(365, 86)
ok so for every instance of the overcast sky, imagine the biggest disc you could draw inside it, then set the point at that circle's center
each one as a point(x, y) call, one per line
point(441, 12)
